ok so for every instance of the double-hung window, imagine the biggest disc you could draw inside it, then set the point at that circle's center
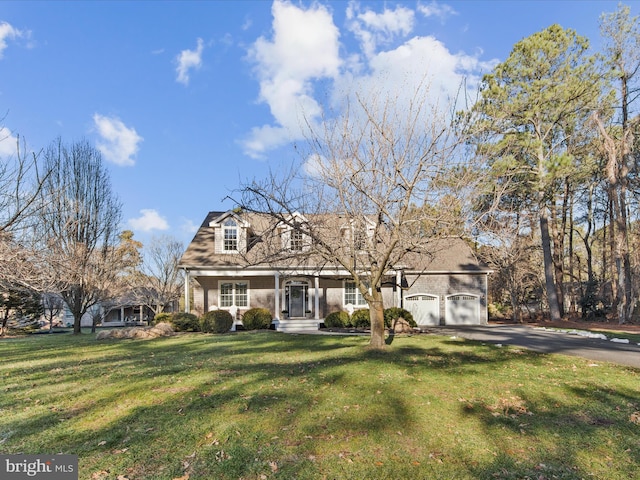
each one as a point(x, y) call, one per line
point(230, 236)
point(353, 296)
point(296, 242)
point(234, 294)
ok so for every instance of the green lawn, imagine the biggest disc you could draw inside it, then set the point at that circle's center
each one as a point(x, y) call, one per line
point(270, 405)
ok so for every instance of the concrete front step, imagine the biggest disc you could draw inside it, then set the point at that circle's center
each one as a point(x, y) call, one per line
point(304, 325)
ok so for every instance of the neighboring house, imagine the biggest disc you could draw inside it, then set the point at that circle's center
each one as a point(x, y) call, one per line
point(231, 265)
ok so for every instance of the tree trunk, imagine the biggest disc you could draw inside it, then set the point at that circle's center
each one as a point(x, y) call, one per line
point(557, 235)
point(376, 314)
point(552, 298)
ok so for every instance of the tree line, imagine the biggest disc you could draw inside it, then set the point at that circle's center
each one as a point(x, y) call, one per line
point(558, 126)
point(62, 243)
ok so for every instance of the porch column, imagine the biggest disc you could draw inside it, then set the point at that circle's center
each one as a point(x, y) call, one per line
point(277, 295)
point(399, 288)
point(122, 314)
point(187, 307)
point(316, 296)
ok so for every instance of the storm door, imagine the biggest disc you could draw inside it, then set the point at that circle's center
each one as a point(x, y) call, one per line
point(297, 297)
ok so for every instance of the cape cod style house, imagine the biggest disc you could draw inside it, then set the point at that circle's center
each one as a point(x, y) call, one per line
point(230, 265)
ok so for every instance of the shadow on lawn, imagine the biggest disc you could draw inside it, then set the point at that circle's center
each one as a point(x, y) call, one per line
point(572, 440)
point(224, 404)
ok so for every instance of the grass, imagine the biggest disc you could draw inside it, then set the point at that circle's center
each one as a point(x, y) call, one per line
point(270, 405)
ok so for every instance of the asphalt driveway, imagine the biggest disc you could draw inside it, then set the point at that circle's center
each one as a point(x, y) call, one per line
point(547, 341)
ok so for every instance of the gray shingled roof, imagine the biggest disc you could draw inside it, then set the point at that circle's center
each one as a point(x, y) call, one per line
point(451, 254)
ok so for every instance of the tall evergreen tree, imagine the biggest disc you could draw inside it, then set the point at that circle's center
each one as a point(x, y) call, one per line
point(524, 120)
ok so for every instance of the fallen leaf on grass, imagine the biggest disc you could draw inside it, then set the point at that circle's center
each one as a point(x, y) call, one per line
point(101, 475)
point(635, 418)
point(274, 466)
point(184, 477)
point(102, 443)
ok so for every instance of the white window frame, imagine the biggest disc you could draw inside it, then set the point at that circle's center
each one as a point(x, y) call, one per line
point(234, 293)
point(360, 302)
point(230, 225)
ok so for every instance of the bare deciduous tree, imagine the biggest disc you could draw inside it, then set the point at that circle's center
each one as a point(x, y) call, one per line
point(159, 282)
point(378, 183)
point(52, 306)
point(78, 226)
point(22, 177)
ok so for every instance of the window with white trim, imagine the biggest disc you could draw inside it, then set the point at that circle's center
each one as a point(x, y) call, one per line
point(296, 241)
point(233, 294)
point(230, 236)
point(353, 296)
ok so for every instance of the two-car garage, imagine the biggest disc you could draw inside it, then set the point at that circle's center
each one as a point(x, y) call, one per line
point(459, 309)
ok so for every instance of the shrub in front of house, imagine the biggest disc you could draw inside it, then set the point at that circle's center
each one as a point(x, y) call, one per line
point(162, 317)
point(394, 313)
point(185, 322)
point(337, 320)
point(361, 319)
point(216, 321)
point(256, 319)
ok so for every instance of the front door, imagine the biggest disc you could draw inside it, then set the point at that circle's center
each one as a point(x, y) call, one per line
point(297, 294)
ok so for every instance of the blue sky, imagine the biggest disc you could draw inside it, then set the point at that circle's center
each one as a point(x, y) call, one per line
point(186, 100)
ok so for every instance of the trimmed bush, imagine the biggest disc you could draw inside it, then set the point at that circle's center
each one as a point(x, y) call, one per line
point(361, 319)
point(162, 317)
point(394, 313)
point(337, 320)
point(256, 319)
point(185, 322)
point(216, 321)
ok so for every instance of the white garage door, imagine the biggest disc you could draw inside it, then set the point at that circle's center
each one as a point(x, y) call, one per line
point(424, 308)
point(463, 310)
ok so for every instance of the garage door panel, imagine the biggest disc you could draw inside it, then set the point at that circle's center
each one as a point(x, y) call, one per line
point(424, 308)
point(463, 310)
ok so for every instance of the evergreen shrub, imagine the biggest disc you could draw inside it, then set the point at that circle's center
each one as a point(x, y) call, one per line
point(337, 320)
point(216, 321)
point(185, 322)
point(162, 317)
point(256, 319)
point(394, 313)
point(361, 319)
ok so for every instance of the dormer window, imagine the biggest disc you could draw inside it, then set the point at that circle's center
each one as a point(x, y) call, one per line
point(293, 234)
point(230, 236)
point(296, 242)
point(359, 234)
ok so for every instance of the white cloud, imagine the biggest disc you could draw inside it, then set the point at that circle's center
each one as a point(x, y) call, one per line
point(435, 9)
point(304, 47)
point(303, 68)
point(373, 29)
point(189, 60)
point(7, 32)
point(8, 143)
point(188, 226)
point(119, 143)
point(149, 220)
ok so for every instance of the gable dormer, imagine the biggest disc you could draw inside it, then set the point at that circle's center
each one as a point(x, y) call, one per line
point(358, 233)
point(293, 233)
point(230, 233)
